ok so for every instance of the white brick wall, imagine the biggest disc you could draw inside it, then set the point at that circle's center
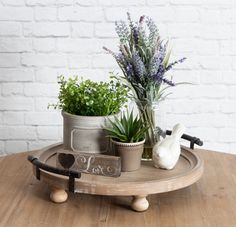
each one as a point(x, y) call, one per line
point(41, 39)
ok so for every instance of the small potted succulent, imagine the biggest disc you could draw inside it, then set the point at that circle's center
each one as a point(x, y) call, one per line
point(127, 134)
point(85, 106)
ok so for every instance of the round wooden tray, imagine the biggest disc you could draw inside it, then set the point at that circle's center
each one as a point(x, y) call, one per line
point(140, 183)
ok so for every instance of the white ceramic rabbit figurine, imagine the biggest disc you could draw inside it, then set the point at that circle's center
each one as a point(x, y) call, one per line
point(166, 153)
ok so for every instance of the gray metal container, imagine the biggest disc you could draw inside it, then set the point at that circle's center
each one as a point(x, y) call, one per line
point(85, 133)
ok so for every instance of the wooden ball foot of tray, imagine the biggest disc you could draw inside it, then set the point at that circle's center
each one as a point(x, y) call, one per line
point(58, 195)
point(139, 203)
point(140, 183)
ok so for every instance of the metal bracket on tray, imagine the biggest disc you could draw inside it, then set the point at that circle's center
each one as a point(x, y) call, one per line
point(193, 140)
point(70, 173)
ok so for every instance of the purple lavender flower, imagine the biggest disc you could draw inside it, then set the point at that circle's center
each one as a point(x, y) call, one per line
point(174, 63)
point(122, 30)
point(109, 51)
point(142, 56)
point(139, 67)
point(182, 60)
point(156, 62)
point(135, 35)
point(141, 19)
point(133, 28)
point(153, 31)
point(162, 51)
point(169, 82)
point(154, 65)
point(120, 57)
point(129, 71)
point(142, 37)
point(158, 77)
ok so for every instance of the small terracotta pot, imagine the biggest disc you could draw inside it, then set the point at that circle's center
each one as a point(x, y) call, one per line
point(130, 154)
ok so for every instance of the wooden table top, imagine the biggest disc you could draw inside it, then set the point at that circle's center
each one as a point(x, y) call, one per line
point(210, 202)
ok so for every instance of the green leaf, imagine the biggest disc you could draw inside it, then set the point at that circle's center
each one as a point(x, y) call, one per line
point(127, 128)
point(167, 58)
point(86, 97)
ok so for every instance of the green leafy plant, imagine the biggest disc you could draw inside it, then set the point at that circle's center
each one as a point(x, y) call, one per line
point(127, 128)
point(89, 98)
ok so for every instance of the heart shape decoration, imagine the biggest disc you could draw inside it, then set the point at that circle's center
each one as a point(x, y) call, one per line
point(66, 160)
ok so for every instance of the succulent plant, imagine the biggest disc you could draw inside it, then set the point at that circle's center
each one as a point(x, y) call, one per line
point(127, 128)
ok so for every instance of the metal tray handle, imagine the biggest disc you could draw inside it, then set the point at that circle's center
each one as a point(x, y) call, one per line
point(193, 140)
point(70, 173)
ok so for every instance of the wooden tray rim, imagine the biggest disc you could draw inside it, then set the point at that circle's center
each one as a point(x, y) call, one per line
point(124, 188)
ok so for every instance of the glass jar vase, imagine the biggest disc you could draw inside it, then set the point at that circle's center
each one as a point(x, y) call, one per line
point(148, 112)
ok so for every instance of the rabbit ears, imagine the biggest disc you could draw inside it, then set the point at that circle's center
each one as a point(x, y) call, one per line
point(178, 130)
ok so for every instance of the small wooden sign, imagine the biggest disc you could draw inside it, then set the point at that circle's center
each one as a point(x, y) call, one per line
point(98, 164)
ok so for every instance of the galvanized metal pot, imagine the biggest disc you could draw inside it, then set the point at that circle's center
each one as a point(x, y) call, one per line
point(85, 133)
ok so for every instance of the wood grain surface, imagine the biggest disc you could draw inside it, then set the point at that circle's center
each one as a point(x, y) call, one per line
point(144, 181)
point(210, 202)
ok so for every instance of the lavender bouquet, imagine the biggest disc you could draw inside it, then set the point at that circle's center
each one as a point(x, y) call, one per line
point(144, 60)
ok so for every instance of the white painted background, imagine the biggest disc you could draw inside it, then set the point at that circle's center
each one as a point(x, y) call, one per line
point(41, 39)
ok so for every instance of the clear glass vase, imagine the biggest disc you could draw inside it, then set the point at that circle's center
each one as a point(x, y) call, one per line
point(148, 113)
